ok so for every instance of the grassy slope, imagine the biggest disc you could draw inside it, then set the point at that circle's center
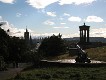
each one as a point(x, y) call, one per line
point(68, 73)
point(98, 53)
point(64, 56)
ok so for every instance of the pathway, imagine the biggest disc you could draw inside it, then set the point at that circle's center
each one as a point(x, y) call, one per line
point(12, 72)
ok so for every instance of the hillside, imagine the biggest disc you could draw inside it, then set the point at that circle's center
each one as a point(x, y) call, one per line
point(98, 53)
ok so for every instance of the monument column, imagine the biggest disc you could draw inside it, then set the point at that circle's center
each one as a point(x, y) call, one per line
point(80, 35)
point(84, 35)
point(87, 35)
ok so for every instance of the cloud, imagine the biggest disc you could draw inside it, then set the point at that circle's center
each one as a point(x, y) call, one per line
point(62, 23)
point(66, 14)
point(50, 34)
point(43, 35)
point(13, 31)
point(18, 14)
point(70, 35)
point(76, 2)
point(74, 19)
point(39, 4)
point(53, 14)
point(97, 32)
point(7, 1)
point(63, 27)
point(94, 19)
point(100, 32)
point(61, 18)
point(48, 22)
point(0, 18)
point(20, 32)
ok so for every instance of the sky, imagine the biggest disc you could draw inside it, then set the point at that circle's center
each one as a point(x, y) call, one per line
point(47, 17)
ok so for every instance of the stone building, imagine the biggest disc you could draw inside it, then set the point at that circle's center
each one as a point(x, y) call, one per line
point(84, 33)
point(28, 37)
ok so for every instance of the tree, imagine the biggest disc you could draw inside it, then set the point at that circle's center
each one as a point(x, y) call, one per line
point(17, 48)
point(14, 49)
point(52, 46)
point(4, 39)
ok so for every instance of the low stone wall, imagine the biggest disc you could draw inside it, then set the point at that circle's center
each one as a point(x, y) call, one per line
point(58, 64)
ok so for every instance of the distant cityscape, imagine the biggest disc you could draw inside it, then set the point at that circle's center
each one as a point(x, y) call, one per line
point(74, 39)
point(92, 39)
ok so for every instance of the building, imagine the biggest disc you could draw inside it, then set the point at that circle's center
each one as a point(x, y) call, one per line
point(26, 36)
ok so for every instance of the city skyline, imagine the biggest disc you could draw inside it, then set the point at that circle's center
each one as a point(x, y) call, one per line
point(47, 17)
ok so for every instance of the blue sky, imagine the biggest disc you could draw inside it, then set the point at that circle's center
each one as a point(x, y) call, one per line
point(47, 17)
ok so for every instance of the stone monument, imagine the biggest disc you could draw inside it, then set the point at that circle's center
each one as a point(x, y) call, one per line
point(84, 33)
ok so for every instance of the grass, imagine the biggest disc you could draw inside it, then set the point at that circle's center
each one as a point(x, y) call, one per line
point(63, 56)
point(68, 73)
point(98, 53)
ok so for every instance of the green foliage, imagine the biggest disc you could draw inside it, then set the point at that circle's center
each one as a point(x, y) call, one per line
point(67, 73)
point(33, 57)
point(52, 46)
point(2, 64)
point(17, 49)
point(4, 39)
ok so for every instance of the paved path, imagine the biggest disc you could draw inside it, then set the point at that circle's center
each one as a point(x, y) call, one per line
point(12, 72)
